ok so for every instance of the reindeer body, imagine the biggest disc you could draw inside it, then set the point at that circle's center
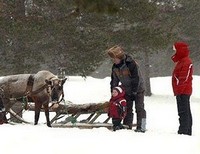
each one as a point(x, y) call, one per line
point(40, 87)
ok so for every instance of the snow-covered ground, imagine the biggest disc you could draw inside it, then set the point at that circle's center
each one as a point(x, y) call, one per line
point(162, 125)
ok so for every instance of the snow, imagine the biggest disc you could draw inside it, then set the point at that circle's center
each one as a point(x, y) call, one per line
point(162, 124)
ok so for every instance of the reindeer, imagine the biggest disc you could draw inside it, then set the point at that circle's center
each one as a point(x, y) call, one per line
point(41, 88)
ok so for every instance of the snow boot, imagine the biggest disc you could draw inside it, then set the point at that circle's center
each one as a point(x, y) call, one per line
point(142, 127)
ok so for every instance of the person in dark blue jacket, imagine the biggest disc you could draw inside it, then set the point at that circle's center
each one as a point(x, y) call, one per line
point(125, 71)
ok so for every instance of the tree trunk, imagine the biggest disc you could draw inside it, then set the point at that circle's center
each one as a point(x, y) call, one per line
point(147, 74)
point(20, 8)
point(1, 8)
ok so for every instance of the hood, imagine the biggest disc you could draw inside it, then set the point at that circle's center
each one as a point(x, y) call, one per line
point(121, 93)
point(182, 51)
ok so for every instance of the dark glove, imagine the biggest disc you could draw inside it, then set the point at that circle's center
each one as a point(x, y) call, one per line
point(134, 93)
point(133, 96)
point(123, 109)
point(123, 112)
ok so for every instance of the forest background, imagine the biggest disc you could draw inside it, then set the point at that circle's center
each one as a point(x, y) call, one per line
point(73, 35)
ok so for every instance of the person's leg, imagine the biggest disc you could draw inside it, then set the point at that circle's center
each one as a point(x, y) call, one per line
point(184, 113)
point(116, 124)
point(190, 120)
point(3, 118)
point(128, 120)
point(141, 112)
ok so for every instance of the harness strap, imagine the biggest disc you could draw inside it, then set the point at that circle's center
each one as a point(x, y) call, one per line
point(29, 85)
point(39, 90)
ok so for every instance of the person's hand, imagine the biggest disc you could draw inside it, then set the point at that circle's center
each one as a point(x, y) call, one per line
point(133, 95)
point(123, 109)
point(123, 112)
point(123, 115)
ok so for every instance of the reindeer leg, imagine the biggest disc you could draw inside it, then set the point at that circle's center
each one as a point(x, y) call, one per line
point(46, 110)
point(37, 112)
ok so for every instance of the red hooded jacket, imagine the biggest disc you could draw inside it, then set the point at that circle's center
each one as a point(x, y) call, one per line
point(182, 74)
point(117, 106)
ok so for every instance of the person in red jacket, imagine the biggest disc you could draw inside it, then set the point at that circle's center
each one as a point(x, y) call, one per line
point(3, 118)
point(182, 86)
point(117, 107)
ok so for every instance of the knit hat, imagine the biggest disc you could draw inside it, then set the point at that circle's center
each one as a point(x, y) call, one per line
point(118, 89)
point(116, 52)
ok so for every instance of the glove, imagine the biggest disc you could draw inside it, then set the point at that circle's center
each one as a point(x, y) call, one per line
point(133, 95)
point(123, 115)
point(123, 112)
point(123, 109)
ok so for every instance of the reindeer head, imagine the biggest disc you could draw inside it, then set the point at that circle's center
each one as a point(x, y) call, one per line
point(56, 88)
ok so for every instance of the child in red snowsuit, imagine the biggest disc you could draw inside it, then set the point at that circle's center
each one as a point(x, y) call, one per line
point(117, 107)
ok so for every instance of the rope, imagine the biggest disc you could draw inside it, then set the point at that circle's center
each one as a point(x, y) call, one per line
point(69, 118)
point(25, 102)
point(18, 113)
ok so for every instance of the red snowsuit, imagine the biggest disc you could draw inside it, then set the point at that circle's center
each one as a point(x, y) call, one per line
point(117, 106)
point(182, 74)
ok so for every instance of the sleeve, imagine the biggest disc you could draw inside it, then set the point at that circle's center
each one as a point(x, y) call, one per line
point(123, 103)
point(185, 73)
point(114, 79)
point(184, 76)
point(133, 68)
point(123, 108)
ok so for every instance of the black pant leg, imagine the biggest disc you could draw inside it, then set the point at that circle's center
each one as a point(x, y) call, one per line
point(128, 120)
point(139, 107)
point(116, 123)
point(184, 113)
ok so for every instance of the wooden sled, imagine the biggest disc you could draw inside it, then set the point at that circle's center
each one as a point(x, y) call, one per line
point(93, 112)
point(68, 115)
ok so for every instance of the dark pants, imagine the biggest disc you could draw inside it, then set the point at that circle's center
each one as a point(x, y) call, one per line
point(1, 104)
point(128, 120)
point(117, 124)
point(184, 113)
point(139, 107)
point(3, 118)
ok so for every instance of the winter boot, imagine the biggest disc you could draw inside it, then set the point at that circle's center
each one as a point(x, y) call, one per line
point(128, 120)
point(142, 127)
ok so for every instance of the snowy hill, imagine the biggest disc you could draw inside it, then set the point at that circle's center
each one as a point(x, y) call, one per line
point(162, 125)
